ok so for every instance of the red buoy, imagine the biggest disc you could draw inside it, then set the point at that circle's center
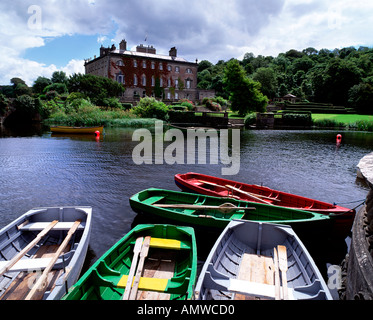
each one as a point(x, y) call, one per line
point(339, 138)
point(97, 133)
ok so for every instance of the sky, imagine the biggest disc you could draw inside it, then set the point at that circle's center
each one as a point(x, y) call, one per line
point(39, 37)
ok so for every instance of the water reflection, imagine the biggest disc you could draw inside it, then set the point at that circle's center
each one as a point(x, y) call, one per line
point(45, 170)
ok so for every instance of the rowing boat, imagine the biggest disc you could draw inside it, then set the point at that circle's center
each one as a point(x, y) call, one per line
point(219, 187)
point(48, 242)
point(151, 262)
point(253, 260)
point(76, 130)
point(213, 212)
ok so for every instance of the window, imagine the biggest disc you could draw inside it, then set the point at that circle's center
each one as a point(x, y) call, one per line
point(169, 95)
point(161, 66)
point(169, 68)
point(135, 63)
point(188, 83)
point(189, 70)
point(143, 80)
point(153, 65)
point(177, 69)
point(120, 78)
point(153, 81)
point(176, 83)
point(176, 96)
point(169, 83)
point(161, 82)
point(135, 80)
point(144, 64)
point(120, 63)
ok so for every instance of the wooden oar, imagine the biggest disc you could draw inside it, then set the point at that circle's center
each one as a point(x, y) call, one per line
point(136, 252)
point(15, 259)
point(143, 255)
point(41, 284)
point(212, 184)
point(249, 194)
point(239, 190)
point(277, 275)
point(225, 207)
point(283, 262)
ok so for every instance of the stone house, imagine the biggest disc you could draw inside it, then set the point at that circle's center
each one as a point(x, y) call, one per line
point(145, 73)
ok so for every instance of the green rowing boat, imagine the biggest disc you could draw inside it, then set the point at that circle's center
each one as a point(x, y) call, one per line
point(160, 261)
point(207, 211)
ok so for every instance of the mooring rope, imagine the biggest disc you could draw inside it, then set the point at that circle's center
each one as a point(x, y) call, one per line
point(361, 202)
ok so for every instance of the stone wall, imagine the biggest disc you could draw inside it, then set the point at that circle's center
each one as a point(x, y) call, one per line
point(358, 265)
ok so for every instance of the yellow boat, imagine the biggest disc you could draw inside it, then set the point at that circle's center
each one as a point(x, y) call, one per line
point(75, 130)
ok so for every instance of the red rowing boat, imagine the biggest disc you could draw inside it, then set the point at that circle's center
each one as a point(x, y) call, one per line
point(219, 187)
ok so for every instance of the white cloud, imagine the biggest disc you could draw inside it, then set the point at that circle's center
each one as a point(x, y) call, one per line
point(208, 29)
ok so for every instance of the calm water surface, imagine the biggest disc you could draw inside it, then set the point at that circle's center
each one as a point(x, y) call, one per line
point(48, 170)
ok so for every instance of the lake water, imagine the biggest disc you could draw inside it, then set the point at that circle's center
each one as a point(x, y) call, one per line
point(47, 170)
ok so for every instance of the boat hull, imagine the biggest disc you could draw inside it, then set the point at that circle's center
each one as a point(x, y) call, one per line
point(213, 186)
point(170, 267)
point(76, 130)
point(241, 266)
point(148, 202)
point(68, 266)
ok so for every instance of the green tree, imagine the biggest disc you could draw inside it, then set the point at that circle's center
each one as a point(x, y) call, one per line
point(40, 83)
point(267, 78)
point(361, 98)
point(244, 93)
point(96, 88)
point(4, 101)
point(59, 77)
point(59, 87)
point(340, 76)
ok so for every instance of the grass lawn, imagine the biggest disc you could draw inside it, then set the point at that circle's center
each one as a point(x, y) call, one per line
point(344, 118)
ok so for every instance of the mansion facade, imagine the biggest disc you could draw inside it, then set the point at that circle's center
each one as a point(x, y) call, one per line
point(145, 73)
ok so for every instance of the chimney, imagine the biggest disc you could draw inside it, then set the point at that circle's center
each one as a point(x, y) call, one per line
point(173, 52)
point(123, 45)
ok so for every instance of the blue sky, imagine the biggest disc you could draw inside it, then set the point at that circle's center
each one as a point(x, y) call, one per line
point(39, 37)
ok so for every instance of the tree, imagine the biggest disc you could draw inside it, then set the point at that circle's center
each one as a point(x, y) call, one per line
point(60, 88)
point(59, 77)
point(361, 98)
point(40, 83)
point(267, 78)
point(243, 92)
point(340, 76)
point(96, 88)
point(203, 65)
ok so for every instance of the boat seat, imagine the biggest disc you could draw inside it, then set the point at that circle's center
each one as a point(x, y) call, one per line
point(156, 284)
point(146, 284)
point(37, 263)
point(38, 226)
point(152, 200)
point(169, 244)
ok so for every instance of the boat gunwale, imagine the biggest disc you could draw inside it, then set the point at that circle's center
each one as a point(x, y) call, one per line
point(126, 241)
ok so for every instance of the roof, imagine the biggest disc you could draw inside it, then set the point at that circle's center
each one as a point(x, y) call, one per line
point(289, 95)
point(150, 55)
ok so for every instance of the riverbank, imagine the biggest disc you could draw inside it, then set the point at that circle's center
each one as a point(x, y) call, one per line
point(343, 121)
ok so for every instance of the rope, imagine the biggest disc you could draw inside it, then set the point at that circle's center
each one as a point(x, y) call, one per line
point(350, 202)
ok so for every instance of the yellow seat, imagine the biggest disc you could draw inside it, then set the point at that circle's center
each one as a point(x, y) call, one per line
point(146, 284)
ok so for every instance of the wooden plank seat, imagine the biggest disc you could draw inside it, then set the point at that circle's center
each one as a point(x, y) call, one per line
point(28, 264)
point(37, 226)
